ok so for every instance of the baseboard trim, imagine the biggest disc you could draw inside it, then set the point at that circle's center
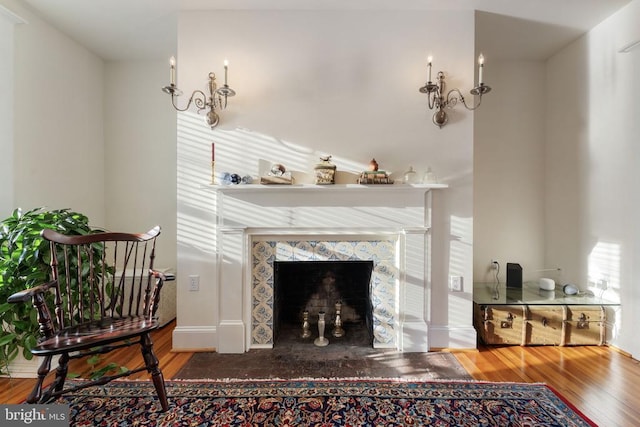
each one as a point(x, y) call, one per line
point(188, 338)
point(453, 350)
point(621, 351)
point(452, 337)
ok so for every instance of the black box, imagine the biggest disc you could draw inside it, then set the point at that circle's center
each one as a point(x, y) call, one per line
point(514, 275)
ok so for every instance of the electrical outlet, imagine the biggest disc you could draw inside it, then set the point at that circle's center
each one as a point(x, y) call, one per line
point(194, 282)
point(455, 283)
point(494, 264)
point(602, 284)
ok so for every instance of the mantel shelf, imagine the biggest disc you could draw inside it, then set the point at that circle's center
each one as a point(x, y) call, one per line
point(249, 188)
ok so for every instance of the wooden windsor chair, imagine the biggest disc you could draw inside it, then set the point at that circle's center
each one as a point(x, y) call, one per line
point(103, 295)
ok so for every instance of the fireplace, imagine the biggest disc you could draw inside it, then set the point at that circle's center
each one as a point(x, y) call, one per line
point(262, 228)
point(314, 287)
point(373, 258)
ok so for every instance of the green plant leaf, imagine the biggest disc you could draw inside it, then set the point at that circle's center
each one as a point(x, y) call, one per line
point(24, 263)
point(30, 341)
point(94, 360)
point(26, 353)
point(104, 370)
point(6, 339)
point(5, 307)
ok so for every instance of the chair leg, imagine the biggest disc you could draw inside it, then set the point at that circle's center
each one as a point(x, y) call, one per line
point(153, 367)
point(58, 383)
point(43, 370)
point(61, 372)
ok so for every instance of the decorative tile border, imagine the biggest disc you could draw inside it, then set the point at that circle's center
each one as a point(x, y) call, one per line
point(383, 279)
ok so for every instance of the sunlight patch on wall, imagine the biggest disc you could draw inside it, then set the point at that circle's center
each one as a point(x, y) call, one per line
point(195, 205)
point(604, 267)
point(245, 152)
point(460, 244)
point(460, 249)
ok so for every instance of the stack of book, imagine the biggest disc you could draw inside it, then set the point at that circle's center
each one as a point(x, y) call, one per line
point(374, 177)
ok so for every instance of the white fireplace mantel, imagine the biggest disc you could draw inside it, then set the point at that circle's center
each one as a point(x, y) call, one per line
point(372, 188)
point(289, 216)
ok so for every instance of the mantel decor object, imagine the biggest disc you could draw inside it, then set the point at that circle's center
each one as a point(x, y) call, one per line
point(325, 171)
point(373, 175)
point(430, 177)
point(410, 176)
point(213, 163)
point(277, 175)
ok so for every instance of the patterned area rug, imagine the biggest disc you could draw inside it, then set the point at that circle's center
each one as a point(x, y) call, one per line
point(323, 403)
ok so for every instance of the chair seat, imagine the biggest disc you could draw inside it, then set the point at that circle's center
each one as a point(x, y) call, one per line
point(94, 334)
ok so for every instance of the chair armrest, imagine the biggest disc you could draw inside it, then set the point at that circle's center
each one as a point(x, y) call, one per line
point(166, 277)
point(27, 294)
point(155, 296)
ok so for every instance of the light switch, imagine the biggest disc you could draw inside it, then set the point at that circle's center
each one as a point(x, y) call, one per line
point(455, 283)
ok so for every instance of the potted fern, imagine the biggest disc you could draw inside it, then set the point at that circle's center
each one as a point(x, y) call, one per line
point(24, 263)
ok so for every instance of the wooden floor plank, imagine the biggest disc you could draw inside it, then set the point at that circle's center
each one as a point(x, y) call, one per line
point(602, 383)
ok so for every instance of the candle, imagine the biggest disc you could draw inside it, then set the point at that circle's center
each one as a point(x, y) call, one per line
point(226, 68)
point(172, 70)
point(480, 67)
point(429, 59)
point(213, 152)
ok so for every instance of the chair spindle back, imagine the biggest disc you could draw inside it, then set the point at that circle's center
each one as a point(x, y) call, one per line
point(102, 276)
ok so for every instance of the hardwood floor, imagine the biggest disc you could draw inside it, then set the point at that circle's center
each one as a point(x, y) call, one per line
point(602, 383)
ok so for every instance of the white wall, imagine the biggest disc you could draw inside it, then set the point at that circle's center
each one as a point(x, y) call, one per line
point(58, 140)
point(338, 82)
point(509, 172)
point(592, 203)
point(140, 153)
point(8, 20)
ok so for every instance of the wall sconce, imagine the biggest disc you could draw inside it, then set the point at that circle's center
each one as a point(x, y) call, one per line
point(217, 96)
point(436, 94)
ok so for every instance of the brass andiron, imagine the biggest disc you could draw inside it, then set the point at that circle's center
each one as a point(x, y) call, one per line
point(338, 331)
point(321, 341)
point(306, 333)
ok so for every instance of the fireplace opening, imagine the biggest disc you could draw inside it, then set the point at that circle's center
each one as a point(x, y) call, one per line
point(317, 286)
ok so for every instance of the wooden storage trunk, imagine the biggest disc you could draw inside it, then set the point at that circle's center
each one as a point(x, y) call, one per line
point(540, 324)
point(584, 325)
point(500, 324)
point(544, 324)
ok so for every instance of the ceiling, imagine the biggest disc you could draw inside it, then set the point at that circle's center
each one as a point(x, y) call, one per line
point(146, 29)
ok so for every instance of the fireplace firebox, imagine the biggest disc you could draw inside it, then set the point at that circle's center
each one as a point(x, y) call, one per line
point(316, 286)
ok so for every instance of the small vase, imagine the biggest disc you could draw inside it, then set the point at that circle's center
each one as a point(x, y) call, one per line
point(410, 176)
point(321, 341)
point(430, 177)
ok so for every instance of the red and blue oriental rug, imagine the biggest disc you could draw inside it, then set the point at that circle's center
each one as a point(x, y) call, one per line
point(323, 403)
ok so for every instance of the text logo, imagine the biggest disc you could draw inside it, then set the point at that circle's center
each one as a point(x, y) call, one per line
point(34, 415)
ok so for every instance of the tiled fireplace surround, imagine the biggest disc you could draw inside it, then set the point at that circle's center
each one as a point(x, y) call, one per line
point(389, 225)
